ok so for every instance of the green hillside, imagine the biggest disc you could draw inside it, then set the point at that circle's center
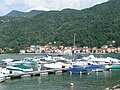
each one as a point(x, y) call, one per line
point(30, 14)
point(94, 26)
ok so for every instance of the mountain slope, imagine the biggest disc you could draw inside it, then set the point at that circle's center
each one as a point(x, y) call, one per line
point(94, 26)
point(30, 14)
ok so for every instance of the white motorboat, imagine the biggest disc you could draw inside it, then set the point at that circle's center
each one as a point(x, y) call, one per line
point(3, 74)
point(39, 59)
point(102, 60)
point(86, 69)
point(54, 58)
point(2, 78)
point(79, 64)
point(28, 60)
point(10, 61)
point(82, 63)
point(57, 65)
point(18, 69)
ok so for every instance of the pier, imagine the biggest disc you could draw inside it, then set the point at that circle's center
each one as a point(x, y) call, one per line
point(37, 73)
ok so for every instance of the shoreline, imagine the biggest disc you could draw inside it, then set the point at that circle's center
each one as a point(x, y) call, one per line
point(54, 53)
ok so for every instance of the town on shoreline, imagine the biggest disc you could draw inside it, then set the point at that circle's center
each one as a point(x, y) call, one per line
point(37, 49)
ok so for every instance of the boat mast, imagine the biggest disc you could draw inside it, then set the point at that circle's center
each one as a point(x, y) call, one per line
point(74, 43)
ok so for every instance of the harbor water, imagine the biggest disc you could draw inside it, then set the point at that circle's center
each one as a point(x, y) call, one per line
point(93, 81)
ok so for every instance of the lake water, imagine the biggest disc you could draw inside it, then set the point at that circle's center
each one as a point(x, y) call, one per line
point(93, 81)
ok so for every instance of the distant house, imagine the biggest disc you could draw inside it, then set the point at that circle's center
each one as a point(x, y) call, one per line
point(67, 51)
point(94, 50)
point(59, 51)
point(118, 49)
point(104, 46)
point(48, 51)
point(1, 51)
point(86, 50)
point(109, 50)
point(42, 49)
point(77, 50)
point(32, 48)
point(22, 51)
point(61, 47)
point(101, 50)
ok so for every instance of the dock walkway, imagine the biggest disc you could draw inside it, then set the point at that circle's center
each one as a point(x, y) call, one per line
point(37, 73)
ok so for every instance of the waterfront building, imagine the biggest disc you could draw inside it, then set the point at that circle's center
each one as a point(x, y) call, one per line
point(22, 51)
point(86, 50)
point(1, 50)
point(67, 51)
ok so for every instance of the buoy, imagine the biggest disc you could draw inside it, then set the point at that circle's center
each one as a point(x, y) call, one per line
point(71, 84)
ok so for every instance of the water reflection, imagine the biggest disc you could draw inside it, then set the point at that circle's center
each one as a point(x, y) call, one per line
point(39, 80)
point(76, 75)
point(92, 74)
point(71, 88)
point(107, 73)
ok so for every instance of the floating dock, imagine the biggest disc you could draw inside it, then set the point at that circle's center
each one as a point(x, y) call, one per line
point(36, 73)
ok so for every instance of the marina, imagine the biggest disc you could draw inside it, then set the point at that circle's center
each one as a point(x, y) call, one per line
point(49, 79)
point(60, 45)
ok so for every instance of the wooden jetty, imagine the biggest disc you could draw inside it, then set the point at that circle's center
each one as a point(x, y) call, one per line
point(37, 73)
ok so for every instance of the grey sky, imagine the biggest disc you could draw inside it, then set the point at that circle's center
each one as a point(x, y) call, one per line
point(26, 5)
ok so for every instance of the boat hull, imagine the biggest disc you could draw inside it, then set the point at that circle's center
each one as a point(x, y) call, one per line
point(2, 79)
point(115, 67)
point(78, 70)
point(86, 69)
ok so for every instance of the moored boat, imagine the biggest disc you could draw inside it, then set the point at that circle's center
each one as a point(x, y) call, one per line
point(57, 65)
point(10, 61)
point(115, 67)
point(19, 69)
point(86, 69)
point(2, 78)
point(96, 67)
point(78, 70)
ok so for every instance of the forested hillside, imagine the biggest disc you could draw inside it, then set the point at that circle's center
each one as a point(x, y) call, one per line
point(30, 14)
point(94, 26)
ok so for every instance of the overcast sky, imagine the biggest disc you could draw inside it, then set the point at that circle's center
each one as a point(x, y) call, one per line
point(26, 5)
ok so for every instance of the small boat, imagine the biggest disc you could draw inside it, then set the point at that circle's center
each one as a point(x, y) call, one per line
point(39, 59)
point(19, 69)
point(79, 63)
point(115, 67)
point(78, 70)
point(116, 87)
point(10, 61)
point(101, 60)
point(52, 66)
point(28, 60)
point(96, 67)
point(57, 65)
point(86, 69)
point(108, 67)
point(82, 63)
point(3, 74)
point(54, 58)
point(2, 78)
point(49, 58)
